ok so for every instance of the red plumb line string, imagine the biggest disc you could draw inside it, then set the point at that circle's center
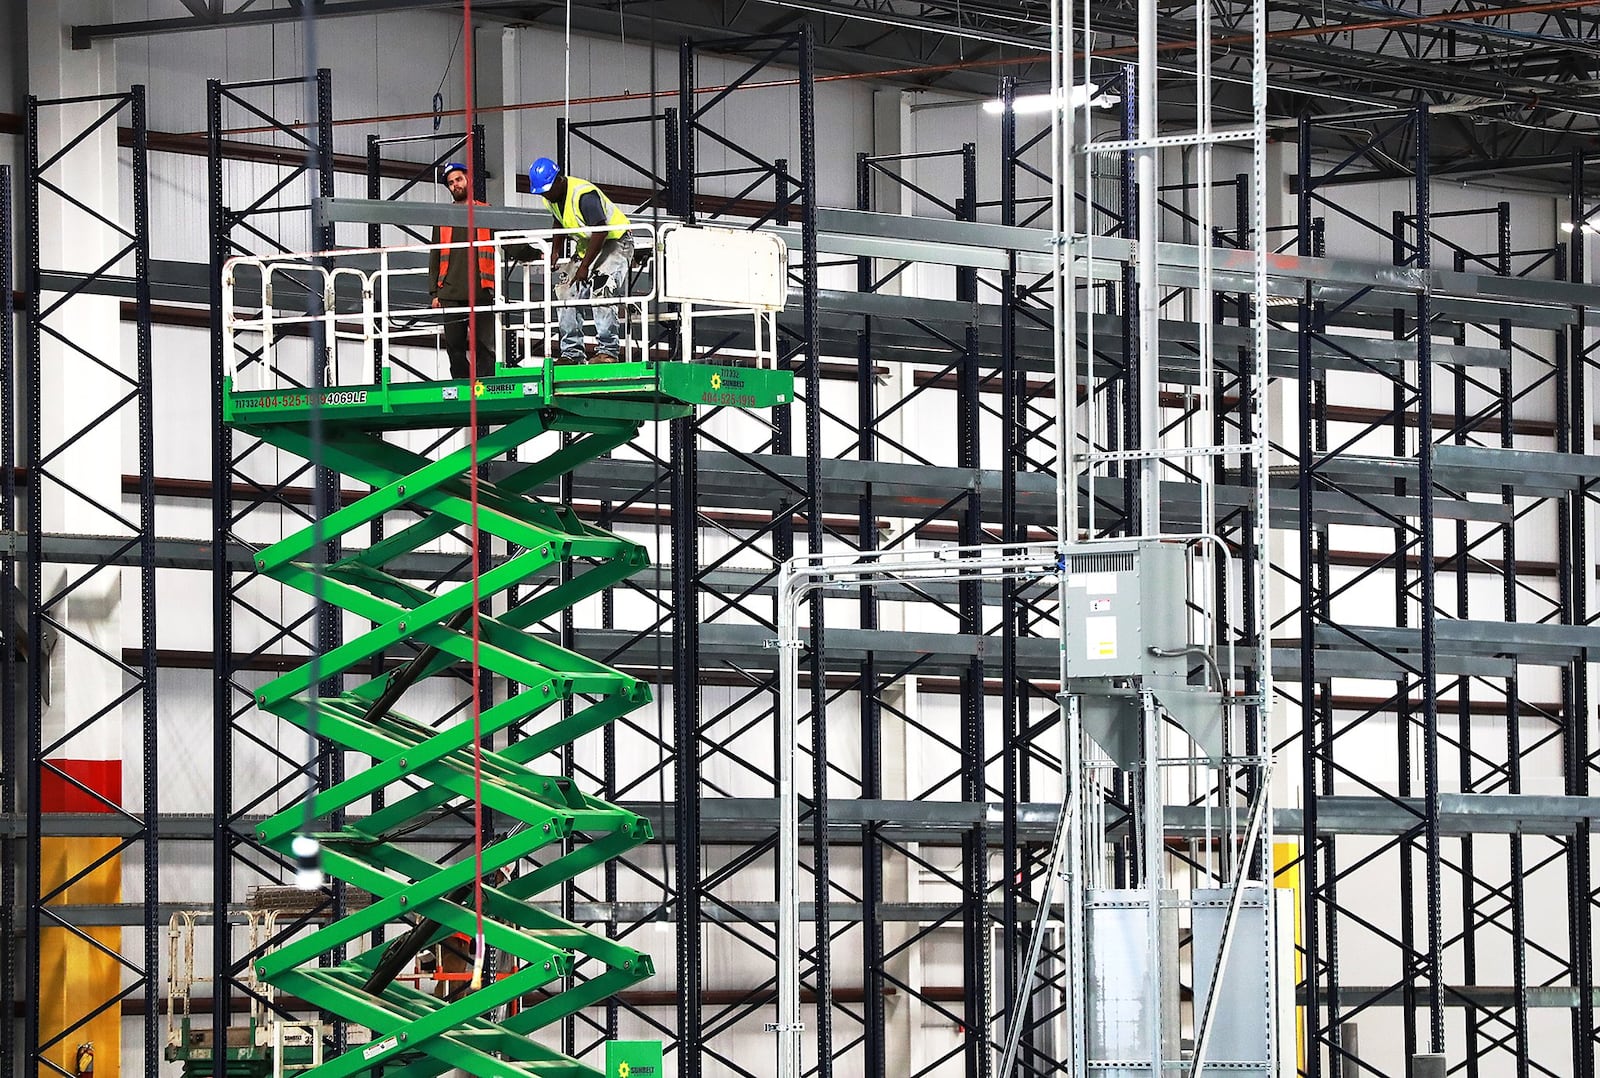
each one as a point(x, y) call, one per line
point(472, 484)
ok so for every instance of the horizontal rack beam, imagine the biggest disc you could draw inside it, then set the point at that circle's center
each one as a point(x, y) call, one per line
point(739, 819)
point(1479, 298)
point(1481, 649)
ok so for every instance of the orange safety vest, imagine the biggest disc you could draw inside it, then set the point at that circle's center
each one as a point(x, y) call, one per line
point(485, 256)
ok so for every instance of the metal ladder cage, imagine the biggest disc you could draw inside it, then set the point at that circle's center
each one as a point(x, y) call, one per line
point(11, 952)
point(1201, 478)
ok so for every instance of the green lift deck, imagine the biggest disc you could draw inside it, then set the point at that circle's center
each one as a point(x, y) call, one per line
point(549, 828)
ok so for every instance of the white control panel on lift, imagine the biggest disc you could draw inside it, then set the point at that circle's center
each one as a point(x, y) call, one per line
point(725, 267)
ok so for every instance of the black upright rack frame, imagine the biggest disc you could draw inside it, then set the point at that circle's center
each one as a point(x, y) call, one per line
point(697, 600)
point(1576, 358)
point(10, 701)
point(130, 541)
point(241, 224)
point(647, 148)
point(1468, 485)
point(948, 357)
point(1412, 546)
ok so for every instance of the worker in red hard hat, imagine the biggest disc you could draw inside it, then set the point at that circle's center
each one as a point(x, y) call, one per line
point(601, 270)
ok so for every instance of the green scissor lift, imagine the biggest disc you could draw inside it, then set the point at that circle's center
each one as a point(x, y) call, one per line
point(545, 819)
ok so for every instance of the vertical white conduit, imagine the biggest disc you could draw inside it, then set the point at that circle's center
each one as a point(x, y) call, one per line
point(1147, 176)
point(1146, 160)
point(1091, 227)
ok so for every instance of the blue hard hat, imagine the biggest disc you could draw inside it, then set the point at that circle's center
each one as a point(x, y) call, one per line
point(541, 174)
point(453, 166)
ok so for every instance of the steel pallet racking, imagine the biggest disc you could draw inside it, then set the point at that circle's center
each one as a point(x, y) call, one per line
point(1451, 482)
point(55, 294)
point(246, 494)
point(1485, 487)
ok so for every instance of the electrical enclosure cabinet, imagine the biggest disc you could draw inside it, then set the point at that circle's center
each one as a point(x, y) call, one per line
point(1123, 601)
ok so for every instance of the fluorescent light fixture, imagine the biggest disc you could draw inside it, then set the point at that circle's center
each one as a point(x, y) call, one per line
point(1027, 103)
point(1033, 103)
point(1588, 226)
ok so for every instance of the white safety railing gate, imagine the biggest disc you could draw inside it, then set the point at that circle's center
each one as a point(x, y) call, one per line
point(373, 309)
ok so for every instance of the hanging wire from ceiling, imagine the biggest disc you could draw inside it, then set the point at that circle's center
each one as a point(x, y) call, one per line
point(622, 38)
point(567, 75)
point(444, 76)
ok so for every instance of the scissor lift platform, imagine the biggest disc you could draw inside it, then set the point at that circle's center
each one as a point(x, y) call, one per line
point(551, 968)
point(640, 391)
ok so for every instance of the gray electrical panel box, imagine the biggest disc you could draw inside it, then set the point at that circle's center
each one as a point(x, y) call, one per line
point(1122, 601)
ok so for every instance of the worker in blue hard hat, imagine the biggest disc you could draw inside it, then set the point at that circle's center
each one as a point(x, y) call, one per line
point(463, 277)
point(452, 284)
point(601, 269)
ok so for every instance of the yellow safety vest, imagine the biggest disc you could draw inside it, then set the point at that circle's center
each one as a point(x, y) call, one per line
point(568, 215)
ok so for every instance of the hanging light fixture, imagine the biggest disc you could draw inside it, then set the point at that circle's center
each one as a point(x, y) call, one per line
point(1086, 92)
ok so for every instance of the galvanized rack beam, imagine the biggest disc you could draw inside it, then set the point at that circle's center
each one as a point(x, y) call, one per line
point(738, 819)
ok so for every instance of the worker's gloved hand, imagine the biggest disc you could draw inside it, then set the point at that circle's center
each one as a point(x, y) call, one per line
point(564, 283)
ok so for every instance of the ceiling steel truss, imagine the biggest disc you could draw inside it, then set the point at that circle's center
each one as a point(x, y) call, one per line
point(1506, 82)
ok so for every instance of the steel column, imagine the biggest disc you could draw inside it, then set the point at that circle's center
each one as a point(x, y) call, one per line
point(874, 1011)
point(1311, 778)
point(1572, 563)
point(10, 856)
point(47, 178)
point(687, 870)
point(1013, 385)
point(148, 716)
point(222, 699)
point(234, 229)
point(32, 452)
